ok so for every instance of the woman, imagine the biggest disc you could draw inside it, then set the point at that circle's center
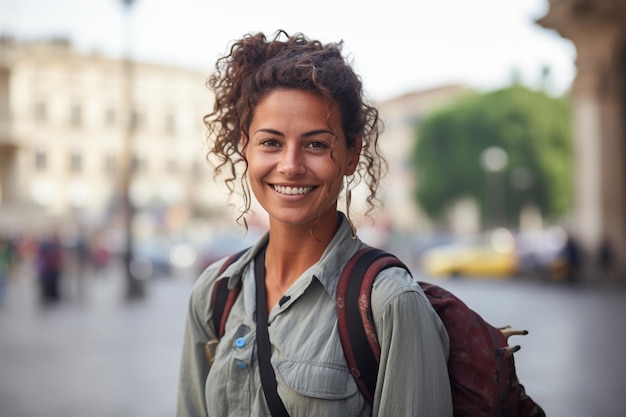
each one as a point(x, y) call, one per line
point(290, 123)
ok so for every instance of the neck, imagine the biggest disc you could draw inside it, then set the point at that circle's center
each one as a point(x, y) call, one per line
point(292, 250)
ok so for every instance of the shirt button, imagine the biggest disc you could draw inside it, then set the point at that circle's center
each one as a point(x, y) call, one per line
point(241, 364)
point(240, 342)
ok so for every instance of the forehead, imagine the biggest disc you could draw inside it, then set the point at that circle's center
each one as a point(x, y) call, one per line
point(297, 107)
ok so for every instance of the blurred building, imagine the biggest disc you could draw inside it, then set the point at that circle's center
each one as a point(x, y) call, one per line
point(401, 116)
point(63, 139)
point(598, 30)
point(63, 136)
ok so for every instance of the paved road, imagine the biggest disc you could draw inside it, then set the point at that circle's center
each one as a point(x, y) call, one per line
point(96, 355)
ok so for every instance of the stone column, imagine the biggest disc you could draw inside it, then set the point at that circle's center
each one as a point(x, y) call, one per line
point(613, 170)
point(599, 98)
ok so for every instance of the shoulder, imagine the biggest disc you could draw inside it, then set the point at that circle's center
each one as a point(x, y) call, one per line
point(395, 289)
point(231, 267)
point(392, 282)
point(203, 286)
point(398, 298)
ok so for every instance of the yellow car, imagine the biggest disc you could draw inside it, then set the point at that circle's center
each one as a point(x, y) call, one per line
point(491, 254)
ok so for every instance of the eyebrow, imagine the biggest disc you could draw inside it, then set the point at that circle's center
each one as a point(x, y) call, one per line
point(305, 135)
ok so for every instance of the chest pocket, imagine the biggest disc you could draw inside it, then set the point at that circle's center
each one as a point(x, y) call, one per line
point(316, 380)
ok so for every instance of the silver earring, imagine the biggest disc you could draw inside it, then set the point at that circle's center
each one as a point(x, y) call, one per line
point(348, 201)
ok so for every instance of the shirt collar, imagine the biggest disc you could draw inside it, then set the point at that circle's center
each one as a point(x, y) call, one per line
point(236, 269)
point(341, 248)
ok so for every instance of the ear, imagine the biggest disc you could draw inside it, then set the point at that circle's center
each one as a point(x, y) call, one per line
point(353, 155)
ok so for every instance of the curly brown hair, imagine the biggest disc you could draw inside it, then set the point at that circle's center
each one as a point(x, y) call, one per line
point(256, 66)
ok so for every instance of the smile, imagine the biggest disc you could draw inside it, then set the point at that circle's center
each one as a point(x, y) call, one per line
point(292, 190)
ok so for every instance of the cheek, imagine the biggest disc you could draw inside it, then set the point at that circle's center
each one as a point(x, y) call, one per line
point(258, 163)
point(256, 172)
point(327, 169)
point(334, 178)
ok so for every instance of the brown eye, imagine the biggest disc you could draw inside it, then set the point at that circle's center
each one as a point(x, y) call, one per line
point(270, 143)
point(317, 145)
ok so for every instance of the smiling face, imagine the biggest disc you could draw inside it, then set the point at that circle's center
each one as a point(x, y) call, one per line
point(297, 157)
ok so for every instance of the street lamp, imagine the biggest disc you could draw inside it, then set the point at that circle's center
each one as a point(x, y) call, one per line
point(134, 285)
point(494, 161)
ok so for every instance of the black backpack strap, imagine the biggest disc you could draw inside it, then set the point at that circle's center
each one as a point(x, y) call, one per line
point(222, 298)
point(264, 347)
point(354, 315)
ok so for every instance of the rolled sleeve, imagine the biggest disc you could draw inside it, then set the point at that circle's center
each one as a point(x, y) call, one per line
point(413, 375)
point(194, 366)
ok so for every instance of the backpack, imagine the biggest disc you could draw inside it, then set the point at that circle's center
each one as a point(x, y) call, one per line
point(480, 362)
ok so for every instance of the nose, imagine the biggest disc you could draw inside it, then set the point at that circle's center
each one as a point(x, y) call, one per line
point(291, 162)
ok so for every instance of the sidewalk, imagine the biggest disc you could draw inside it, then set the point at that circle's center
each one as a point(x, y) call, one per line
point(98, 356)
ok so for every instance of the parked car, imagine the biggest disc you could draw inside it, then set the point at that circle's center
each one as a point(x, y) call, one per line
point(492, 254)
point(163, 258)
point(541, 253)
point(225, 244)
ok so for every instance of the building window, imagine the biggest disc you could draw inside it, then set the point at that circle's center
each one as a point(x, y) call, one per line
point(137, 120)
point(139, 165)
point(76, 115)
point(76, 163)
point(135, 164)
point(170, 124)
point(171, 166)
point(109, 117)
point(41, 160)
point(109, 164)
point(40, 112)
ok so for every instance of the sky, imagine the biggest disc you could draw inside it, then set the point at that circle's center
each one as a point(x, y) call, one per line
point(397, 46)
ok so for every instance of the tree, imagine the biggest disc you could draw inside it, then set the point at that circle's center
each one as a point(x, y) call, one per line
point(530, 126)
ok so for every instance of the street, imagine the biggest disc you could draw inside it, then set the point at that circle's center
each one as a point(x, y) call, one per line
point(97, 355)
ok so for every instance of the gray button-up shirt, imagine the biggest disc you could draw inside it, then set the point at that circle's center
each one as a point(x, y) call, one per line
point(312, 375)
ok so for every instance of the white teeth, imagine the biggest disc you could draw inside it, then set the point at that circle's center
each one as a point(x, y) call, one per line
point(292, 190)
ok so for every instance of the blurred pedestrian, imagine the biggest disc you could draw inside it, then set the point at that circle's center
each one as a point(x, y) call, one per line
point(81, 251)
point(572, 255)
point(100, 255)
point(605, 259)
point(7, 256)
point(290, 112)
point(49, 265)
